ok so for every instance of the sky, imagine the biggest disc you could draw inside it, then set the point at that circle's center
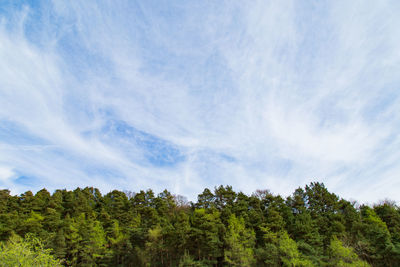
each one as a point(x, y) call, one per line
point(183, 95)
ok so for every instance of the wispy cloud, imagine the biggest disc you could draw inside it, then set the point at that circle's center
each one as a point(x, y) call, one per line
point(133, 95)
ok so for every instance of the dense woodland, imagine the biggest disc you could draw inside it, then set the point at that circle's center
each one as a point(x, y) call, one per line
point(312, 227)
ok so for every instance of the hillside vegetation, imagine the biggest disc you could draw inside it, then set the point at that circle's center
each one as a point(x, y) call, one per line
point(312, 227)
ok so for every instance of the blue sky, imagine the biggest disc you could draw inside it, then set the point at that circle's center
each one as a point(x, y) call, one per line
point(191, 94)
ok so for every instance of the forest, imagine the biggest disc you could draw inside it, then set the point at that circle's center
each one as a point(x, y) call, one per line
point(311, 227)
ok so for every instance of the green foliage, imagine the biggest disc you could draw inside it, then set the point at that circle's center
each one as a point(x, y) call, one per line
point(312, 227)
point(26, 253)
point(281, 250)
point(205, 235)
point(340, 255)
point(239, 243)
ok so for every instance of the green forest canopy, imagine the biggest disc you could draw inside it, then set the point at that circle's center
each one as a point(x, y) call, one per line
point(312, 227)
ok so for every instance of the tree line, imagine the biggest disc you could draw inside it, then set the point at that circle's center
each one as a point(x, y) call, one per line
point(311, 227)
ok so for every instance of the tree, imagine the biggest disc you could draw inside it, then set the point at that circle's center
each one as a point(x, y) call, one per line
point(340, 255)
point(26, 253)
point(303, 228)
point(206, 235)
point(85, 239)
point(280, 250)
point(375, 244)
point(154, 246)
point(205, 200)
point(324, 209)
point(239, 243)
point(312, 227)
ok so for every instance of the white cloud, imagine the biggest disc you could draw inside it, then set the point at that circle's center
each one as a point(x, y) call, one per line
point(263, 95)
point(6, 173)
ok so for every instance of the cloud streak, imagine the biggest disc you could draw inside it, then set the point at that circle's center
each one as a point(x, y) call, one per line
point(132, 95)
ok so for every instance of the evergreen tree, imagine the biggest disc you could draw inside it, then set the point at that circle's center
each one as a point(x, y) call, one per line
point(239, 243)
point(312, 227)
